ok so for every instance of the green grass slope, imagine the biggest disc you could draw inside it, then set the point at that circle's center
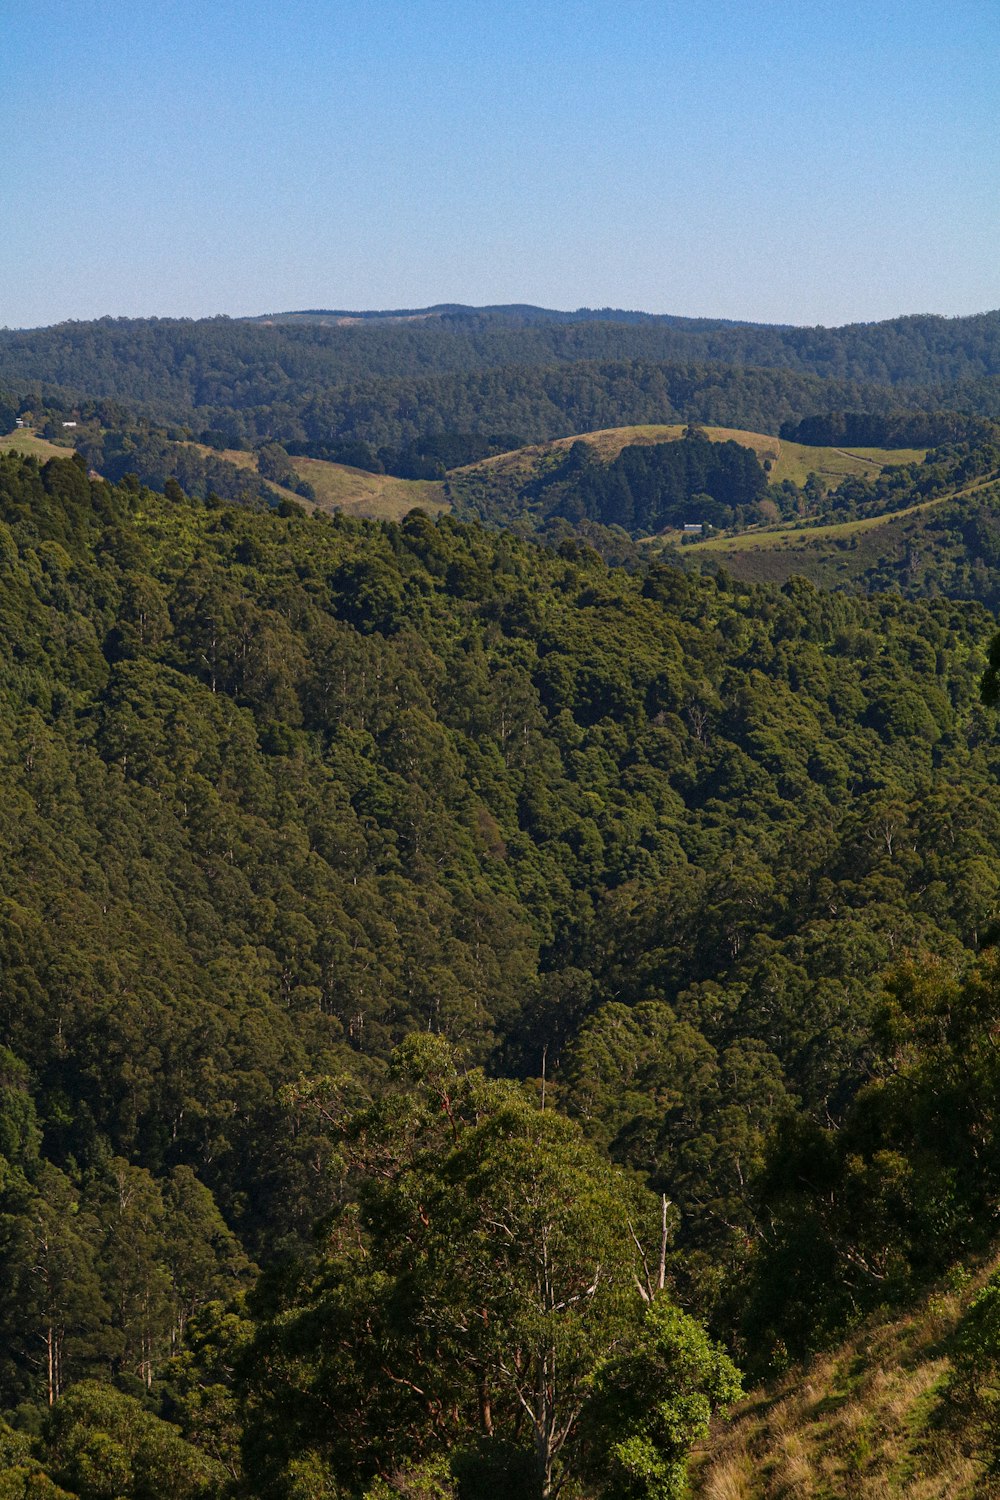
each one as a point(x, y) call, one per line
point(872, 1419)
point(794, 461)
point(26, 441)
point(900, 543)
point(375, 497)
point(378, 497)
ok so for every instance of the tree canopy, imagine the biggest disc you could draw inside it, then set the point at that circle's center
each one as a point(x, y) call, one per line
point(493, 910)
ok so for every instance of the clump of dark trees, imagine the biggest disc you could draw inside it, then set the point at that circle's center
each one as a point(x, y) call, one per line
point(897, 429)
point(647, 489)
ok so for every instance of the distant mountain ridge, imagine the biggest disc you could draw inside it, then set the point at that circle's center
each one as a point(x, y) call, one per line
point(517, 313)
point(520, 313)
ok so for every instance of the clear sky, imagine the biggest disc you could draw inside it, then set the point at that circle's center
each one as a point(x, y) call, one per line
point(798, 162)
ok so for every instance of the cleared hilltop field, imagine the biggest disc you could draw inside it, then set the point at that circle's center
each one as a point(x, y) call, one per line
point(794, 461)
point(24, 440)
point(379, 497)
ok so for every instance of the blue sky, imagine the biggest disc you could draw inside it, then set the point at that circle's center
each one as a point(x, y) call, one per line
point(789, 162)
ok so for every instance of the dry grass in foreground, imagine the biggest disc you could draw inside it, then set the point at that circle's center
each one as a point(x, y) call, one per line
point(869, 1422)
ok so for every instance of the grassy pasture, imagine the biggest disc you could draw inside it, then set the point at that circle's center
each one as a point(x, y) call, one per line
point(804, 535)
point(794, 461)
point(26, 441)
point(807, 535)
point(797, 461)
point(378, 496)
point(238, 457)
point(839, 554)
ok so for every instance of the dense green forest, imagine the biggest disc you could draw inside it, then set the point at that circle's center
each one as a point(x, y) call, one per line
point(900, 429)
point(391, 412)
point(391, 384)
point(201, 358)
point(453, 987)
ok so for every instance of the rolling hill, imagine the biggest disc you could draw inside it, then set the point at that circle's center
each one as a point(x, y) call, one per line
point(377, 497)
point(601, 477)
point(783, 460)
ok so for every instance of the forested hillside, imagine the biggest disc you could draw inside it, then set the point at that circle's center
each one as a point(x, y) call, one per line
point(393, 877)
point(323, 412)
point(927, 351)
point(946, 545)
point(389, 383)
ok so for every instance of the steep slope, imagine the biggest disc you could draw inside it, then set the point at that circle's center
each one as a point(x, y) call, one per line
point(282, 791)
point(875, 1417)
point(538, 761)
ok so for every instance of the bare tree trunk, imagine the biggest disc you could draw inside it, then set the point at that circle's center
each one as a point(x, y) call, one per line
point(661, 1283)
